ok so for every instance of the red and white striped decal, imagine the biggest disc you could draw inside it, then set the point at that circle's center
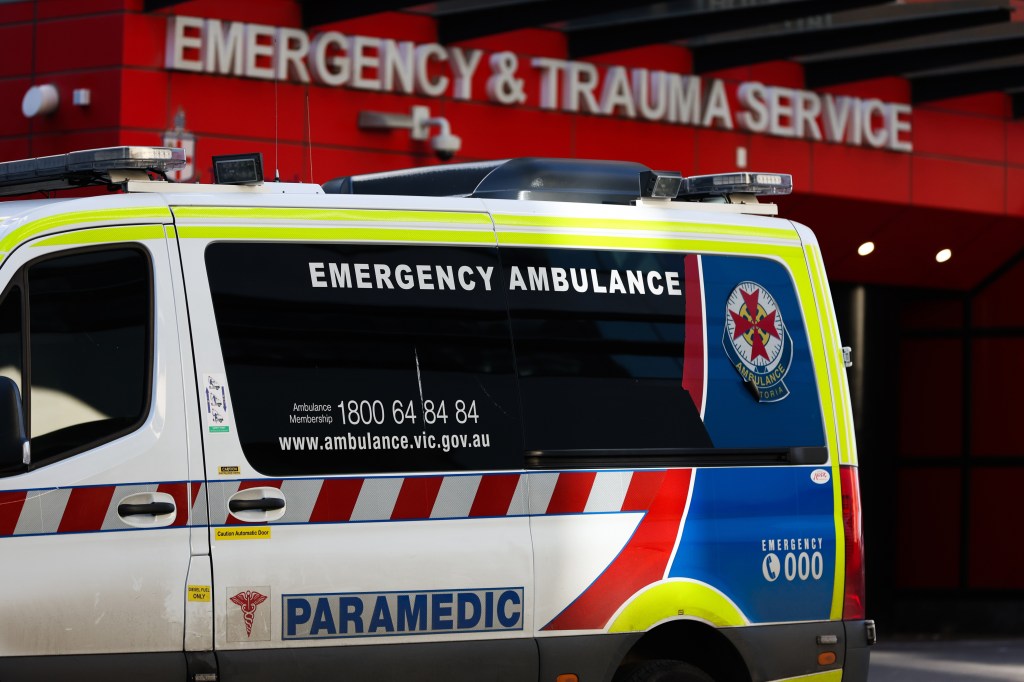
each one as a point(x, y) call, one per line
point(417, 498)
point(341, 500)
point(86, 509)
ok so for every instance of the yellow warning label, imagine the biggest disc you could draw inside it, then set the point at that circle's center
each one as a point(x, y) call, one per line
point(199, 593)
point(257, 533)
point(229, 471)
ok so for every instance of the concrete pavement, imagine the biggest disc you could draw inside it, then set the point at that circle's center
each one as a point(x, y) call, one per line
point(947, 660)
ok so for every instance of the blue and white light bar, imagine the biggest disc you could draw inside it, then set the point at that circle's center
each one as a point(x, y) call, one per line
point(86, 167)
point(722, 184)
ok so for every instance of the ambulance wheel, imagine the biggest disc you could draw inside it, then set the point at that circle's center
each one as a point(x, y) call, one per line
point(662, 671)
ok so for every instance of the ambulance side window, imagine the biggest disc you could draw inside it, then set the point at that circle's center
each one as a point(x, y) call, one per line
point(88, 338)
point(373, 358)
point(600, 339)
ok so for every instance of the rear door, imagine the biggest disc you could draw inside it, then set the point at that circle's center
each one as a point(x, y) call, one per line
point(362, 439)
point(670, 383)
point(94, 535)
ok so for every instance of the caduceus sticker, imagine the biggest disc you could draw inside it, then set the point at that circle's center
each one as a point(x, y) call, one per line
point(756, 341)
point(248, 600)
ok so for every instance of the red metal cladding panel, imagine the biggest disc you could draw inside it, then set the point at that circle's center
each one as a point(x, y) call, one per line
point(17, 12)
point(11, 504)
point(336, 501)
point(490, 132)
point(270, 12)
point(716, 150)
point(995, 104)
point(993, 411)
point(58, 9)
point(494, 496)
point(928, 530)
point(418, 28)
point(889, 89)
point(17, 42)
point(781, 155)
point(672, 58)
point(530, 42)
point(86, 509)
point(416, 498)
point(14, 124)
point(1015, 143)
point(102, 35)
point(995, 556)
point(144, 100)
point(571, 492)
point(659, 146)
point(1015, 191)
point(145, 39)
point(931, 428)
point(641, 562)
point(967, 136)
point(858, 173)
point(103, 113)
point(958, 185)
point(787, 74)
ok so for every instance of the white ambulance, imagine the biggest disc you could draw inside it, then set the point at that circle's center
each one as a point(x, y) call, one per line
point(532, 419)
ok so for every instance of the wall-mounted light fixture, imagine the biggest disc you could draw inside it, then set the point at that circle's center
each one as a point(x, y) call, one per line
point(418, 122)
point(40, 100)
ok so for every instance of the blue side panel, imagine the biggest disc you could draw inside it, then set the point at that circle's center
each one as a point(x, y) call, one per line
point(763, 536)
point(733, 417)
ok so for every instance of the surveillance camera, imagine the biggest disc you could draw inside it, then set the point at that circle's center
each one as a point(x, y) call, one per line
point(446, 145)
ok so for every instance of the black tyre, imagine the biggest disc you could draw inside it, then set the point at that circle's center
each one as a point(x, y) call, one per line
point(662, 671)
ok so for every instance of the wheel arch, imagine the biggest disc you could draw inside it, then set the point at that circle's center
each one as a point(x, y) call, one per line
point(693, 642)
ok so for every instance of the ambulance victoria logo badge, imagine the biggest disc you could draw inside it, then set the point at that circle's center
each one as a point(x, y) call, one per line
point(756, 340)
point(248, 601)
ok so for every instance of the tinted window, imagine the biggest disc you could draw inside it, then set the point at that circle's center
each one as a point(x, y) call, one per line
point(10, 336)
point(599, 339)
point(349, 358)
point(89, 322)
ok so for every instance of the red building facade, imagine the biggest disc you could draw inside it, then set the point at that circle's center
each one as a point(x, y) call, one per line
point(878, 160)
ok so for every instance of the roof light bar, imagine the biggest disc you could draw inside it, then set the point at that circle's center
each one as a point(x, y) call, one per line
point(86, 167)
point(758, 184)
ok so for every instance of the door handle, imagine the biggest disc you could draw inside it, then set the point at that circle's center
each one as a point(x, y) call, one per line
point(147, 510)
point(262, 504)
point(153, 508)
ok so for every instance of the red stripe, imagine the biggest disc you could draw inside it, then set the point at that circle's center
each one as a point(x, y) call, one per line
point(259, 483)
point(179, 491)
point(693, 347)
point(336, 500)
point(571, 492)
point(642, 488)
point(494, 496)
point(641, 562)
point(11, 504)
point(416, 498)
point(86, 509)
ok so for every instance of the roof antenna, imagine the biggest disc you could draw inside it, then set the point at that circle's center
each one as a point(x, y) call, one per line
point(309, 137)
point(277, 119)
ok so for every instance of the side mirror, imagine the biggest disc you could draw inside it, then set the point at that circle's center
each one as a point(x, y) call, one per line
point(13, 442)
